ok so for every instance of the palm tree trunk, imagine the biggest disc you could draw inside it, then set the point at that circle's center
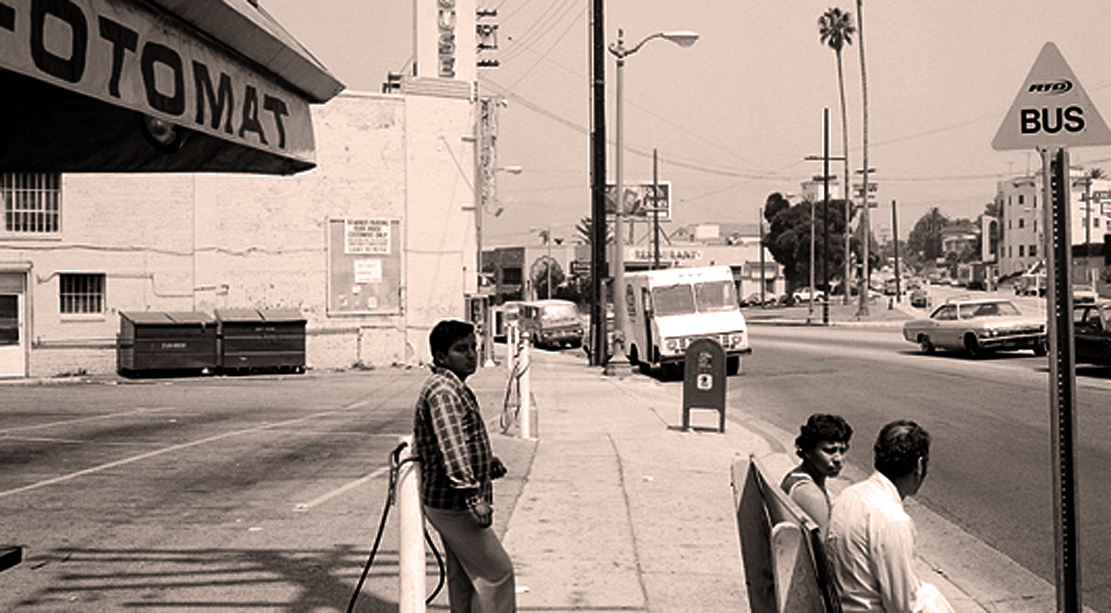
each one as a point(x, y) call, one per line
point(866, 232)
point(848, 183)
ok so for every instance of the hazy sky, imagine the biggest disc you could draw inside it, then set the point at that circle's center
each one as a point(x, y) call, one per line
point(734, 115)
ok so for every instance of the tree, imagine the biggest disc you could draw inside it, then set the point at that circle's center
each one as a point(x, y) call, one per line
point(774, 205)
point(924, 240)
point(788, 237)
point(585, 228)
point(543, 269)
point(864, 104)
point(836, 30)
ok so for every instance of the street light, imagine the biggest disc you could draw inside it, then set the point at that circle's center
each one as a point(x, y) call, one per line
point(620, 51)
point(483, 187)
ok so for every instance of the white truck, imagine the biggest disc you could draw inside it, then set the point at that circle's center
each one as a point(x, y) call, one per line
point(668, 309)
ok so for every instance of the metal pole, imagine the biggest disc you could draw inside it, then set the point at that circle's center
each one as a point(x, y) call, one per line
point(619, 213)
point(598, 267)
point(763, 282)
point(1055, 181)
point(895, 232)
point(655, 211)
point(825, 216)
point(548, 264)
point(411, 574)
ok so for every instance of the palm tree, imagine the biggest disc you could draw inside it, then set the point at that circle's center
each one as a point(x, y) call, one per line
point(836, 29)
point(867, 233)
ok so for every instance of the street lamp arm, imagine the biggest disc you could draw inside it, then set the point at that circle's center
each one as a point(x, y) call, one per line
point(682, 38)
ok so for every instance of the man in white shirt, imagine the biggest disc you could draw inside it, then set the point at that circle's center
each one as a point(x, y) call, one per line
point(870, 542)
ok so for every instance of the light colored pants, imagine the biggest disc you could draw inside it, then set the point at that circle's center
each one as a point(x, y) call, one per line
point(479, 571)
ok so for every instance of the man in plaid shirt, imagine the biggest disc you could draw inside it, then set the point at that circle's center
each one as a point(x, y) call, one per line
point(457, 472)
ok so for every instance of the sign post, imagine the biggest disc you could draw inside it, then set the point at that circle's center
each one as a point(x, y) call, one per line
point(1051, 113)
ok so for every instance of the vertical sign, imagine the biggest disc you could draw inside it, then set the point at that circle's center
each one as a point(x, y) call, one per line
point(1051, 113)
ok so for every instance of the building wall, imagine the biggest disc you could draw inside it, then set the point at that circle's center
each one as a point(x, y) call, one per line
point(220, 241)
point(1023, 219)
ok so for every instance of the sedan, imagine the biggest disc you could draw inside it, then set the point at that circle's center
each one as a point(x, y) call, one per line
point(978, 327)
point(1092, 331)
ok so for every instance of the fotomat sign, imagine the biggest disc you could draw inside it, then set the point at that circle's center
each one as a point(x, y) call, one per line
point(127, 55)
point(1051, 109)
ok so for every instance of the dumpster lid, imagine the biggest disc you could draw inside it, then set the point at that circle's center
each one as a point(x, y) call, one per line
point(167, 318)
point(259, 315)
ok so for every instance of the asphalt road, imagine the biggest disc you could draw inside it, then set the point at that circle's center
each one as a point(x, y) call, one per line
point(991, 465)
point(215, 494)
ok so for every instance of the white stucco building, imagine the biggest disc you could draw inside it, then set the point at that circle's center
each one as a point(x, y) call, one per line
point(1022, 204)
point(372, 246)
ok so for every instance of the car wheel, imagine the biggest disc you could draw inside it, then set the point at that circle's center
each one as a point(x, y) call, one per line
point(925, 345)
point(732, 366)
point(972, 346)
point(1041, 350)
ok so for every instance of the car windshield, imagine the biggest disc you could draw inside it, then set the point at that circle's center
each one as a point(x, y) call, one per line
point(714, 296)
point(559, 311)
point(988, 309)
point(673, 300)
point(703, 297)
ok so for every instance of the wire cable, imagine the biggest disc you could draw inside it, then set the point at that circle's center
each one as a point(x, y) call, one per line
point(395, 466)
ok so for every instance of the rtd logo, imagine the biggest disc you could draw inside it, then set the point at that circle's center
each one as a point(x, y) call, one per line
point(1052, 88)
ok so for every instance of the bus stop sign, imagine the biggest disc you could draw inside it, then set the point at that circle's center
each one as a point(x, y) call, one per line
point(1051, 109)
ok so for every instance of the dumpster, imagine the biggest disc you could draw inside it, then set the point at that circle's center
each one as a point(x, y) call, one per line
point(153, 342)
point(261, 340)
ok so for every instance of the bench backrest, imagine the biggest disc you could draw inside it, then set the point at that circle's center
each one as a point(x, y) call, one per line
point(781, 547)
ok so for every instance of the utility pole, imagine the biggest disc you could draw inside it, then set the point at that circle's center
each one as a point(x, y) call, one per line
point(598, 267)
point(655, 211)
point(895, 232)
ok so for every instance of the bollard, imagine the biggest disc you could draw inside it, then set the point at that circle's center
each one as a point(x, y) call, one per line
point(411, 560)
point(511, 334)
point(524, 391)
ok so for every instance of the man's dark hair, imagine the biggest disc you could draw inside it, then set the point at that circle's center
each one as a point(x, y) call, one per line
point(445, 333)
point(821, 427)
point(898, 448)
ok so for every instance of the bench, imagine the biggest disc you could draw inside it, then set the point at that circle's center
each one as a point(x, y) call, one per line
point(781, 548)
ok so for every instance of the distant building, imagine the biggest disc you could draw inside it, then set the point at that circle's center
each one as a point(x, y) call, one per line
point(1021, 201)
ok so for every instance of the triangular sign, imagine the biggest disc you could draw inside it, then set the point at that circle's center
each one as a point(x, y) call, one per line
point(1051, 109)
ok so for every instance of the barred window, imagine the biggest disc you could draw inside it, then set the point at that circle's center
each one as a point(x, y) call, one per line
point(81, 294)
point(32, 202)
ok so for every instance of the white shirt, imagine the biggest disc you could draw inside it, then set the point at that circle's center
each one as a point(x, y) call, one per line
point(870, 545)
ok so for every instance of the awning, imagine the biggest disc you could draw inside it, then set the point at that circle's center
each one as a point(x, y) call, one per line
point(154, 86)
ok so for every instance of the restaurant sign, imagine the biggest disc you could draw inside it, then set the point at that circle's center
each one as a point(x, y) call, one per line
point(128, 55)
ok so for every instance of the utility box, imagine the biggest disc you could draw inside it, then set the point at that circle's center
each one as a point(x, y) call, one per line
point(704, 380)
point(261, 340)
point(153, 342)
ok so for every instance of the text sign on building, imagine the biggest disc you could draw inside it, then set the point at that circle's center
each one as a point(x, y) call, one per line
point(366, 236)
point(128, 56)
point(1051, 109)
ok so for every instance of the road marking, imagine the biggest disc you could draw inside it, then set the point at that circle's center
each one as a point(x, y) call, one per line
point(68, 441)
point(305, 506)
point(77, 421)
point(151, 454)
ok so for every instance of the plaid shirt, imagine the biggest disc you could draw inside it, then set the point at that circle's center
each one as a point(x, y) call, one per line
point(449, 437)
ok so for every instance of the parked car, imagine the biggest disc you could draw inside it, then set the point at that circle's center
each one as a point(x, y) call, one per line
point(1084, 294)
point(1092, 332)
point(978, 327)
point(803, 295)
point(550, 323)
point(920, 298)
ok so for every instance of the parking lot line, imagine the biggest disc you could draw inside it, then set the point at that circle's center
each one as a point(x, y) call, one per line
point(305, 506)
point(157, 452)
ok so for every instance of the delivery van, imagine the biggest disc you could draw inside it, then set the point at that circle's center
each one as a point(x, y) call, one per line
point(550, 323)
point(668, 309)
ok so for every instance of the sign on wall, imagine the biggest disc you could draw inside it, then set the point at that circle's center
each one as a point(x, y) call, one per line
point(126, 55)
point(364, 266)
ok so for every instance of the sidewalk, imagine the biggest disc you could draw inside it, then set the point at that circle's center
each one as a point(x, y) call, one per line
point(621, 510)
